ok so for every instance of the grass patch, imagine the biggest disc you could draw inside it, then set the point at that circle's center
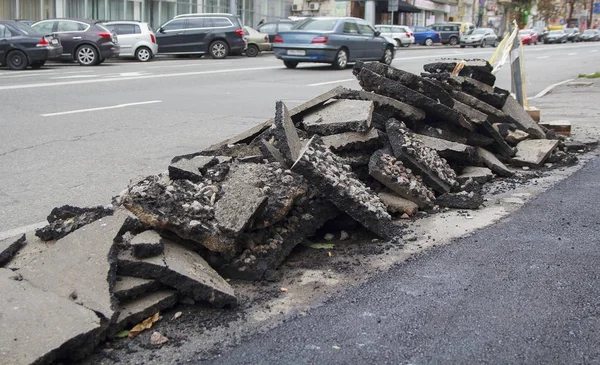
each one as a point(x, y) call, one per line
point(595, 75)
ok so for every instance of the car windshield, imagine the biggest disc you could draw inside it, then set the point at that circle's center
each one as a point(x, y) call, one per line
point(25, 28)
point(570, 30)
point(524, 32)
point(317, 24)
point(589, 31)
point(555, 32)
point(478, 31)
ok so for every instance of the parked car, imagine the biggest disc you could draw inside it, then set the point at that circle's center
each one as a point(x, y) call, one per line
point(22, 46)
point(590, 35)
point(257, 42)
point(84, 41)
point(542, 33)
point(556, 36)
point(402, 34)
point(573, 34)
point(135, 38)
point(528, 36)
point(272, 28)
point(217, 34)
point(334, 40)
point(464, 27)
point(426, 36)
point(449, 33)
point(26, 21)
point(479, 37)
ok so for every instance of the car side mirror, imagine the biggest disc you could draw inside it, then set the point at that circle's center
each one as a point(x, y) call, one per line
point(161, 30)
point(377, 33)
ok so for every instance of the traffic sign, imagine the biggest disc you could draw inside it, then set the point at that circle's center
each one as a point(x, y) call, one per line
point(393, 5)
point(596, 8)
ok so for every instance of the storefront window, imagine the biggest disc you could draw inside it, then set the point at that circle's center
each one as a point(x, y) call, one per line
point(75, 9)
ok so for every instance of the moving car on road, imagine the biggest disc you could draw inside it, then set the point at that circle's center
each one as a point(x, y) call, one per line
point(426, 36)
point(136, 39)
point(217, 34)
point(332, 40)
point(84, 41)
point(402, 34)
point(272, 28)
point(22, 46)
point(556, 36)
point(479, 37)
point(573, 34)
point(528, 36)
point(257, 42)
point(590, 35)
point(449, 32)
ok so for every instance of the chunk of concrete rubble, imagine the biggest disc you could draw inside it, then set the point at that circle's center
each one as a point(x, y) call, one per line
point(182, 269)
point(434, 170)
point(491, 161)
point(129, 287)
point(353, 140)
point(41, 326)
point(480, 175)
point(397, 204)
point(323, 169)
point(285, 133)
point(191, 169)
point(561, 127)
point(66, 219)
point(353, 158)
point(271, 153)
point(477, 69)
point(449, 150)
point(516, 136)
point(81, 266)
point(460, 200)
point(146, 244)
point(440, 131)
point(393, 107)
point(9, 248)
point(522, 119)
point(495, 115)
point(386, 169)
point(339, 116)
point(494, 96)
point(372, 81)
point(534, 152)
point(136, 310)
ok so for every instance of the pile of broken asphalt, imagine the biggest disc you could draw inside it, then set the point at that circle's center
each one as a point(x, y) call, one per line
point(405, 143)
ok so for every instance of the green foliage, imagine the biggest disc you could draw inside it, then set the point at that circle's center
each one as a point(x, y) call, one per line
point(595, 75)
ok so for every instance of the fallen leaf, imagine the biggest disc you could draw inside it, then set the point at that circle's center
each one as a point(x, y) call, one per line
point(329, 254)
point(158, 339)
point(283, 290)
point(122, 334)
point(146, 324)
point(177, 315)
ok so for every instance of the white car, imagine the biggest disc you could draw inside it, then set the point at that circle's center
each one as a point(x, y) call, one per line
point(402, 34)
point(136, 39)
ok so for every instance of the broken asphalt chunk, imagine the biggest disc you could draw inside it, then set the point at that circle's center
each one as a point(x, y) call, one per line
point(534, 152)
point(397, 204)
point(480, 175)
point(288, 141)
point(129, 287)
point(66, 219)
point(520, 117)
point(460, 200)
point(491, 161)
point(9, 248)
point(191, 169)
point(146, 244)
point(449, 150)
point(339, 116)
point(353, 140)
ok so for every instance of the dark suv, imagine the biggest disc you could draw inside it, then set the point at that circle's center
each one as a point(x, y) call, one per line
point(449, 33)
point(217, 34)
point(83, 41)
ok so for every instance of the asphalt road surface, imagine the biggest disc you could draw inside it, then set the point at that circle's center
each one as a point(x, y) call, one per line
point(78, 135)
point(505, 295)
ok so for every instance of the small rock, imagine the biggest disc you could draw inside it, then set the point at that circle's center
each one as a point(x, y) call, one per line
point(177, 315)
point(404, 216)
point(525, 168)
point(283, 290)
point(329, 237)
point(187, 301)
point(344, 236)
point(158, 339)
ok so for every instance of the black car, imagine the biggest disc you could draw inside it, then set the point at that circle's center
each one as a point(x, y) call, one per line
point(556, 36)
point(218, 34)
point(272, 28)
point(449, 33)
point(542, 33)
point(589, 35)
point(22, 46)
point(84, 41)
point(573, 34)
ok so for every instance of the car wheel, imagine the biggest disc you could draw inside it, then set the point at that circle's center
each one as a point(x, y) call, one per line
point(143, 54)
point(388, 56)
point(453, 41)
point(218, 50)
point(406, 45)
point(37, 64)
point(86, 55)
point(398, 43)
point(16, 60)
point(428, 42)
point(462, 46)
point(482, 45)
point(252, 50)
point(290, 64)
point(341, 59)
point(495, 43)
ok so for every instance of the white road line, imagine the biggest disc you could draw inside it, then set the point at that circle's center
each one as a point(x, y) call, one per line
point(549, 88)
point(101, 108)
point(541, 57)
point(81, 82)
point(572, 54)
point(331, 82)
point(188, 65)
point(73, 77)
point(21, 230)
point(594, 50)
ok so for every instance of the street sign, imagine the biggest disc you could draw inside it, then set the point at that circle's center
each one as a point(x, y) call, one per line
point(596, 8)
point(393, 5)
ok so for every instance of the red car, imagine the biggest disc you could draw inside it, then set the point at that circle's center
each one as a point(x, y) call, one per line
point(528, 36)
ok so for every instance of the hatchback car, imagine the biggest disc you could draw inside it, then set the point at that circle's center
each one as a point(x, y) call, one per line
point(217, 34)
point(573, 34)
point(332, 40)
point(590, 35)
point(556, 36)
point(22, 46)
point(272, 28)
point(84, 41)
point(449, 32)
point(257, 42)
point(136, 39)
point(528, 36)
point(400, 33)
point(426, 36)
point(479, 37)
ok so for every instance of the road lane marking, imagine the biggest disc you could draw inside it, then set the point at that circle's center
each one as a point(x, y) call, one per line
point(73, 77)
point(81, 82)
point(541, 57)
point(594, 50)
point(331, 82)
point(101, 108)
point(572, 54)
point(549, 88)
point(188, 65)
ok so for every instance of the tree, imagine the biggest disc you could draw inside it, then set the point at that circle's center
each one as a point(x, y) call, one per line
point(571, 6)
point(547, 9)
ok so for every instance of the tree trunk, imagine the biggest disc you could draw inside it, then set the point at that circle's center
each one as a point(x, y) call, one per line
point(571, 8)
point(590, 25)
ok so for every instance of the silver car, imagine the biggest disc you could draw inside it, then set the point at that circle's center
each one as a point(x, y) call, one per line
point(401, 34)
point(479, 37)
point(136, 39)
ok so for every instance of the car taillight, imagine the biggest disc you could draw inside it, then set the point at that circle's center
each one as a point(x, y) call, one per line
point(266, 38)
point(437, 34)
point(278, 39)
point(153, 38)
point(240, 32)
point(320, 40)
point(408, 34)
point(43, 43)
point(105, 35)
